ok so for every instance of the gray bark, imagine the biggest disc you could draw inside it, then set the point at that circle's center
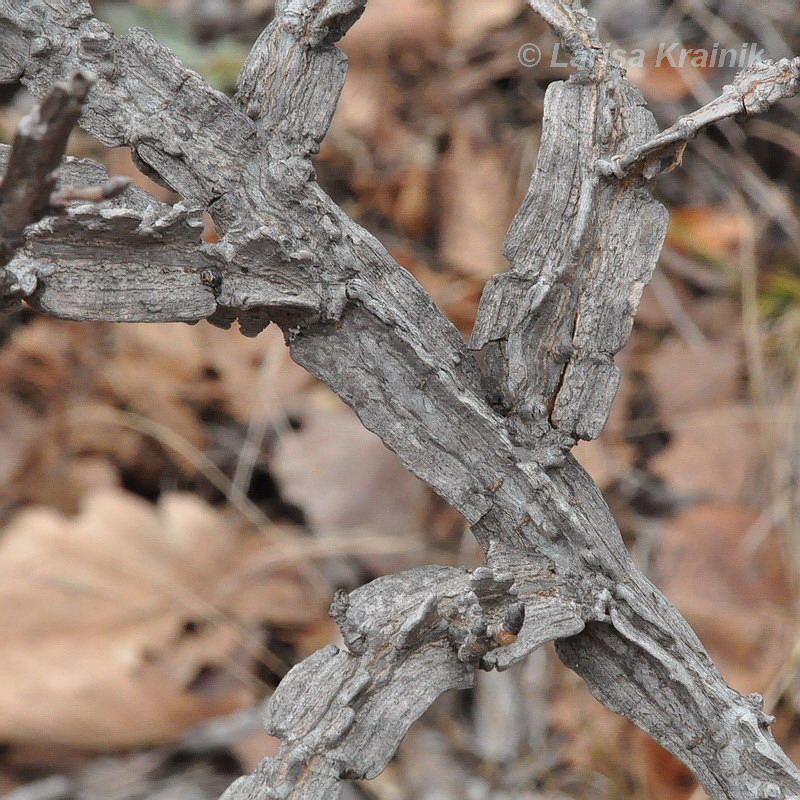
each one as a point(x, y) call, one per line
point(491, 433)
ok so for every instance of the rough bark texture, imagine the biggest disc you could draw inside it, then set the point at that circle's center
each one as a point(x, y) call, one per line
point(439, 622)
point(493, 440)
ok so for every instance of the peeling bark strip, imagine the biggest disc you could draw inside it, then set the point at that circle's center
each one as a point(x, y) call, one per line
point(493, 440)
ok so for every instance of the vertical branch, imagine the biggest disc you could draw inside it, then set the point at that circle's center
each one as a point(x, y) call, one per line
point(36, 151)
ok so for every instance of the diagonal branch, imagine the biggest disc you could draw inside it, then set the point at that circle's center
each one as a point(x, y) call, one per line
point(129, 258)
point(279, 85)
point(754, 91)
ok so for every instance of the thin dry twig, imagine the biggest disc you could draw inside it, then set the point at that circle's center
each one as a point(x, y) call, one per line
point(113, 187)
point(753, 92)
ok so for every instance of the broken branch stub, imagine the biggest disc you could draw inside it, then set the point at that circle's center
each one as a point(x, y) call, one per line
point(36, 152)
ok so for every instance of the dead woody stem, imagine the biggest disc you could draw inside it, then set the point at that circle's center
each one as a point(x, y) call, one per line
point(493, 440)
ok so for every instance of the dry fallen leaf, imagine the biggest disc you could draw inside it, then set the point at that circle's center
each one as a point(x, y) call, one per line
point(723, 569)
point(63, 385)
point(387, 24)
point(713, 232)
point(470, 21)
point(686, 378)
point(713, 454)
point(130, 623)
point(665, 83)
point(19, 429)
point(349, 484)
point(476, 204)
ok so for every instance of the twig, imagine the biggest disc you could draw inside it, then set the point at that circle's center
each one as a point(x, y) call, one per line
point(442, 621)
point(113, 187)
point(753, 92)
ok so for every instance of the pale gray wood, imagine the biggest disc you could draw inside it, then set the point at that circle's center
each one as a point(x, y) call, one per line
point(580, 253)
point(130, 258)
point(493, 440)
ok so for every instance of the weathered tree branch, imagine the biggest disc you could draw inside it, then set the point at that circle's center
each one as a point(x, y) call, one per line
point(36, 152)
point(493, 441)
point(130, 257)
point(439, 622)
point(550, 326)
